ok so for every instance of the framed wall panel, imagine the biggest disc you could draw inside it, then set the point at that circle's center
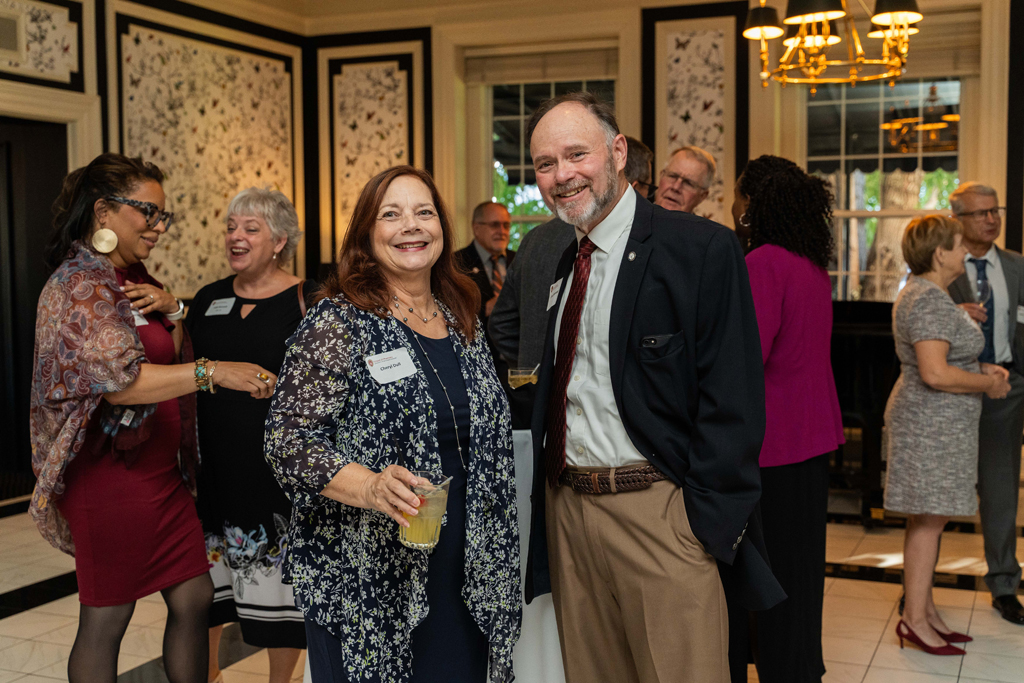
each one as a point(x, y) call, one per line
point(695, 91)
point(374, 113)
point(217, 113)
point(49, 45)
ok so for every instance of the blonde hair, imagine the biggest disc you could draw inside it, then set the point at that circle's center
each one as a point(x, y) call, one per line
point(924, 235)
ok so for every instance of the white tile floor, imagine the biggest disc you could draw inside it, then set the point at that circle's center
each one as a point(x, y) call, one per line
point(35, 644)
point(859, 617)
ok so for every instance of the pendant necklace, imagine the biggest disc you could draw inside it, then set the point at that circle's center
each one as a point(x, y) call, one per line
point(423, 318)
point(451, 406)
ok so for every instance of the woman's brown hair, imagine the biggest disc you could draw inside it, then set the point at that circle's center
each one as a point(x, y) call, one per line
point(924, 235)
point(359, 276)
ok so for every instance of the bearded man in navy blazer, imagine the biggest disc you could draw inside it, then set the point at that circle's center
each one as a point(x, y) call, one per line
point(649, 421)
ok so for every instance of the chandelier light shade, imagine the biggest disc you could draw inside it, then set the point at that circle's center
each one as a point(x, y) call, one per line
point(816, 26)
point(878, 31)
point(896, 12)
point(762, 22)
point(804, 11)
point(811, 40)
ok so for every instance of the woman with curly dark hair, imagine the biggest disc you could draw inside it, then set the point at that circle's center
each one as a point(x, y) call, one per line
point(790, 219)
point(748, 182)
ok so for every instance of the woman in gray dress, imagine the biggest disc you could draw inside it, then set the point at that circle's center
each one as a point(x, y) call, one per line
point(932, 418)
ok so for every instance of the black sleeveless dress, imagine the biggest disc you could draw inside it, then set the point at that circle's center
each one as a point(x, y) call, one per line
point(244, 512)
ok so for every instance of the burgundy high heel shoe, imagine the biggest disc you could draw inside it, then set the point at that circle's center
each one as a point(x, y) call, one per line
point(946, 649)
point(954, 637)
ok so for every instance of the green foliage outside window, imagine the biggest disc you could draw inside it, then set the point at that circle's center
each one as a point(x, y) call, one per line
point(521, 200)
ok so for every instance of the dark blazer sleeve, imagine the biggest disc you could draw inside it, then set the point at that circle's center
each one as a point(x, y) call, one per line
point(724, 472)
point(503, 323)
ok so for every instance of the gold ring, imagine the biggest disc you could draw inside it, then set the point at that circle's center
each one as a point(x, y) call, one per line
point(262, 376)
point(151, 298)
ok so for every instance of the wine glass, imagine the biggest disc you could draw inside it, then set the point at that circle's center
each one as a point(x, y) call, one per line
point(984, 291)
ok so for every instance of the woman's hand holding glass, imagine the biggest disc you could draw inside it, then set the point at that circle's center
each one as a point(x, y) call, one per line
point(1000, 380)
point(390, 492)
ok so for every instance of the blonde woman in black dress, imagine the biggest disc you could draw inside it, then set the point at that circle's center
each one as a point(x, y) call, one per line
point(244, 512)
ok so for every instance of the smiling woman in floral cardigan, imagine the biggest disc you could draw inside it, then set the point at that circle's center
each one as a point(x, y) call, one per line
point(344, 437)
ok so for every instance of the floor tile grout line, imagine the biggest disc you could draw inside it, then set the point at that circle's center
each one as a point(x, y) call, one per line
point(880, 638)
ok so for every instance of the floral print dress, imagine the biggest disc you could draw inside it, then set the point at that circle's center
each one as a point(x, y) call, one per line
point(348, 570)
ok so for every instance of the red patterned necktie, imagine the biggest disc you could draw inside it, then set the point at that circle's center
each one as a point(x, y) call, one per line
point(567, 335)
point(496, 279)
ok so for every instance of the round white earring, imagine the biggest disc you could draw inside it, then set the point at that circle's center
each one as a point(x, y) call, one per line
point(275, 254)
point(104, 240)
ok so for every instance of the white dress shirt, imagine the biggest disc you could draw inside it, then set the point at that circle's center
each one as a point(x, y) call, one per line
point(594, 434)
point(1000, 301)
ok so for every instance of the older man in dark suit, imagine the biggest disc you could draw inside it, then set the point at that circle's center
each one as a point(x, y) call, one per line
point(649, 421)
point(486, 260)
point(1001, 317)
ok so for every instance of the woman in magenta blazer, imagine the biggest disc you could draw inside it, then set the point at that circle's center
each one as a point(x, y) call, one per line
point(789, 217)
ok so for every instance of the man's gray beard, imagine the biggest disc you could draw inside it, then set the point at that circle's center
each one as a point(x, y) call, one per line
point(599, 203)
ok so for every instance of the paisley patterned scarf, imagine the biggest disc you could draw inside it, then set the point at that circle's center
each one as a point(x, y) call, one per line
point(87, 346)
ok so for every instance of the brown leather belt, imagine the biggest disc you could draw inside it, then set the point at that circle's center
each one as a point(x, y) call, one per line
point(610, 479)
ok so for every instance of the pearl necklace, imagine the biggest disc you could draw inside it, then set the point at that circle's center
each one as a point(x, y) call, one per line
point(404, 319)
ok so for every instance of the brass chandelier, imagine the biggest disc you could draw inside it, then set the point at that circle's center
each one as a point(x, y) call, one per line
point(813, 29)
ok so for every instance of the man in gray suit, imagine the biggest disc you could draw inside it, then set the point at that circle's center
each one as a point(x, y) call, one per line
point(519, 321)
point(1001, 318)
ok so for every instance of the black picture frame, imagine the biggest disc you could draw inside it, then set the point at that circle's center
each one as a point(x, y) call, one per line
point(650, 18)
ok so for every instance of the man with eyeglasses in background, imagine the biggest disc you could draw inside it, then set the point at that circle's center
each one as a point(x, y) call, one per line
point(486, 261)
point(1001, 318)
point(685, 180)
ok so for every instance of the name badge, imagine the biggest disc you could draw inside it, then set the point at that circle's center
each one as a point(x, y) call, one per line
point(553, 294)
point(221, 306)
point(391, 366)
point(1020, 314)
point(127, 418)
point(140, 319)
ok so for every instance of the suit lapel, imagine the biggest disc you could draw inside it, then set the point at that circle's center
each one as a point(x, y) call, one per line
point(627, 287)
point(1012, 278)
point(960, 290)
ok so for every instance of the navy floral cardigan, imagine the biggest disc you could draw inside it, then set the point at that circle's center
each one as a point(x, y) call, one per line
point(348, 570)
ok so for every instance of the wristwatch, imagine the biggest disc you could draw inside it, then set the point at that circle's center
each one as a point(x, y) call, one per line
point(178, 314)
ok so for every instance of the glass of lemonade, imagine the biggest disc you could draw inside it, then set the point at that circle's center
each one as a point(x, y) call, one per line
point(425, 527)
point(518, 377)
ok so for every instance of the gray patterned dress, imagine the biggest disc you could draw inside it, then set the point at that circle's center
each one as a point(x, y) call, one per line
point(933, 435)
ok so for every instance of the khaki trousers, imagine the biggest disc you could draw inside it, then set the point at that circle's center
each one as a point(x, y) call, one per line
point(637, 599)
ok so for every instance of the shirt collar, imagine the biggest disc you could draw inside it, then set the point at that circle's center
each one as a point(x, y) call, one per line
point(620, 219)
point(992, 255)
point(485, 255)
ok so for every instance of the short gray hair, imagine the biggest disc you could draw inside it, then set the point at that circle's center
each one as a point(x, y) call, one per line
point(701, 155)
point(277, 212)
point(956, 202)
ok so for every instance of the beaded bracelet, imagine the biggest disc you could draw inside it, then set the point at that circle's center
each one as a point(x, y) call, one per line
point(203, 379)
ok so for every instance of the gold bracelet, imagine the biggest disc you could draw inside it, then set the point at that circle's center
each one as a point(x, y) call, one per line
point(213, 387)
point(202, 375)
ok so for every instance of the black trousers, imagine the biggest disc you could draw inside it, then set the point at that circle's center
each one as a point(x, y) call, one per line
point(786, 640)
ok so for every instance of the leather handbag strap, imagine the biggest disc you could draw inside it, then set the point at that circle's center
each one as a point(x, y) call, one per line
point(302, 299)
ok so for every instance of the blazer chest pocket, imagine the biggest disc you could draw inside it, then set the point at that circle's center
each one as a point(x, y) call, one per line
point(657, 346)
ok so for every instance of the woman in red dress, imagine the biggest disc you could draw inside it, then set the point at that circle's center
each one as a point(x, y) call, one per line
point(113, 421)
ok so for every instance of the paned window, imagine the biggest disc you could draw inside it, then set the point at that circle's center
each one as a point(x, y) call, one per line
point(514, 181)
point(890, 153)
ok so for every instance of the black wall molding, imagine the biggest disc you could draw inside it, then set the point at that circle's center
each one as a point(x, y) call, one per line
point(77, 82)
point(311, 125)
point(649, 20)
point(1015, 133)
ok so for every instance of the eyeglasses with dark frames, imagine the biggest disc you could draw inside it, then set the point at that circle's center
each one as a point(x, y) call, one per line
point(982, 214)
point(673, 178)
point(649, 192)
point(154, 216)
